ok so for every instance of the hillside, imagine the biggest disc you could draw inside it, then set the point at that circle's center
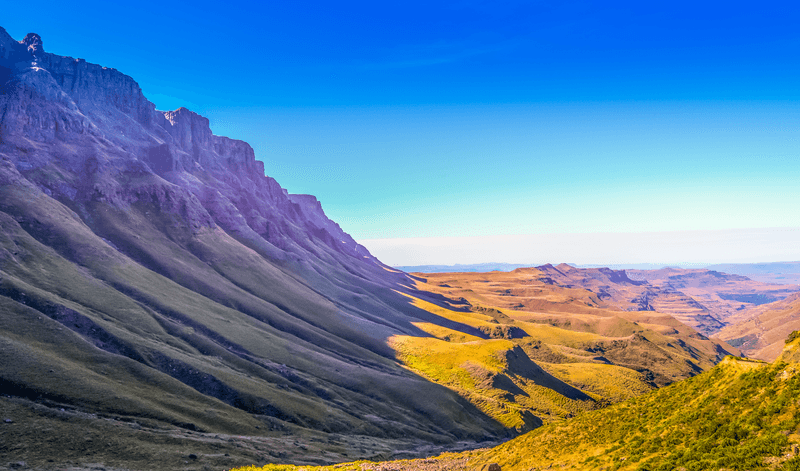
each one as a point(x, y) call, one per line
point(741, 415)
point(150, 273)
point(760, 334)
point(552, 352)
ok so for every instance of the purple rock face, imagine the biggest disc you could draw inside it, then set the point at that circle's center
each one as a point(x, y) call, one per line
point(95, 124)
point(164, 250)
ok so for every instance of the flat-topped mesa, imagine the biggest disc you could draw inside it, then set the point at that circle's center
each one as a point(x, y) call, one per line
point(84, 82)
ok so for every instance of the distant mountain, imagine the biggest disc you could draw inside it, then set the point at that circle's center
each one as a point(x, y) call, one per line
point(785, 273)
point(458, 268)
point(777, 272)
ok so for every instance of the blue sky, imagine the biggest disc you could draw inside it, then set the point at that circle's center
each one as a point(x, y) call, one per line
point(480, 119)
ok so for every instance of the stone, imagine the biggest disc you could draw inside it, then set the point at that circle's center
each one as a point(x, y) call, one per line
point(34, 43)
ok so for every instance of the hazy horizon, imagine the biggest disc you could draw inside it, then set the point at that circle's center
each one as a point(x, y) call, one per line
point(686, 248)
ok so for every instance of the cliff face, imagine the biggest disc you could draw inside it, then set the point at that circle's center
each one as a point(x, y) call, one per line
point(136, 243)
point(94, 123)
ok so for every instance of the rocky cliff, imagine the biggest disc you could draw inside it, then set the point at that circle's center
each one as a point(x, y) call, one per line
point(95, 124)
point(149, 270)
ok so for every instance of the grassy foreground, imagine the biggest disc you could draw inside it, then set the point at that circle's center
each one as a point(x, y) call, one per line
point(741, 415)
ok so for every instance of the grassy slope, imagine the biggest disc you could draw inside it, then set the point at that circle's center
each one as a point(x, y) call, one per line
point(214, 337)
point(525, 367)
point(197, 314)
point(741, 415)
point(176, 313)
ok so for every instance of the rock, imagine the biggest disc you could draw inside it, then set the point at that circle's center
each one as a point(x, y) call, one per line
point(491, 467)
point(192, 456)
point(34, 43)
point(8, 421)
point(17, 465)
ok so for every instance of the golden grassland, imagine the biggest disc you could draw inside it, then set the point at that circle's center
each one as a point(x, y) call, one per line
point(526, 367)
point(740, 415)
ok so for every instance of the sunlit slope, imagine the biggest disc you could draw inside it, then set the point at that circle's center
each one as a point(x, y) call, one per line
point(740, 415)
point(761, 336)
point(527, 351)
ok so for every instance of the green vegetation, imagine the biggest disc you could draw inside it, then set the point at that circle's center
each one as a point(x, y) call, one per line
point(535, 368)
point(496, 376)
point(741, 415)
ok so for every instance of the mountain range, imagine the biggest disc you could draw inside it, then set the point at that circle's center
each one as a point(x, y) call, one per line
point(166, 305)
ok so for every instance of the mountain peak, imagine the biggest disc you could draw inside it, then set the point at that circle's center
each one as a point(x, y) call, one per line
point(34, 43)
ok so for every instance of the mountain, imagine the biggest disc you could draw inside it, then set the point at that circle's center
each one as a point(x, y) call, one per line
point(741, 415)
point(163, 302)
point(151, 273)
point(568, 329)
point(761, 330)
point(460, 268)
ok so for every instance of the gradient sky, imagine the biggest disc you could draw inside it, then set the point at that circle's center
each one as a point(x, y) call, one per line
point(482, 119)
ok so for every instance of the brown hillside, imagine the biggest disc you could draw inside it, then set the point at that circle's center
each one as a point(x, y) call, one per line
point(762, 335)
point(708, 295)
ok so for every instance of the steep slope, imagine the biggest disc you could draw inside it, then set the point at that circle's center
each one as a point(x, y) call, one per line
point(741, 415)
point(150, 271)
point(760, 334)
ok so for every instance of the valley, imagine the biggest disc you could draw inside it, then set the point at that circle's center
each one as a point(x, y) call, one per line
point(742, 414)
point(164, 304)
